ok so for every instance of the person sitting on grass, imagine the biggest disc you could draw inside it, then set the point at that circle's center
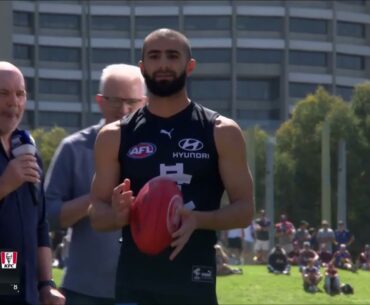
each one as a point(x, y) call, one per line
point(293, 256)
point(311, 277)
point(342, 259)
point(331, 281)
point(364, 258)
point(324, 255)
point(306, 254)
point(222, 266)
point(278, 261)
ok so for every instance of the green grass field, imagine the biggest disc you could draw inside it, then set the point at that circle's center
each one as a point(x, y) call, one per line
point(257, 286)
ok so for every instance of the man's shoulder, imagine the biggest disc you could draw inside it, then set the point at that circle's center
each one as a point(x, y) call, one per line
point(85, 135)
point(109, 135)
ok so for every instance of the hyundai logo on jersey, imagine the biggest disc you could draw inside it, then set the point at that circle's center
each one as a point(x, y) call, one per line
point(190, 144)
point(142, 150)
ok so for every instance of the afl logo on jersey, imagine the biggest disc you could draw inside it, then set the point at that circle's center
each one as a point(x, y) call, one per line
point(142, 150)
point(190, 144)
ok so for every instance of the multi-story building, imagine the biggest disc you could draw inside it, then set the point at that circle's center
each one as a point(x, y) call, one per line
point(255, 58)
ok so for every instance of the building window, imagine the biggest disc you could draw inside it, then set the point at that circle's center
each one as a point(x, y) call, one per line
point(22, 51)
point(94, 87)
point(254, 114)
point(311, 26)
point(259, 56)
point(23, 19)
point(259, 23)
point(207, 23)
point(301, 90)
point(350, 62)
point(258, 89)
point(145, 25)
point(345, 92)
point(351, 29)
point(306, 58)
point(60, 54)
point(28, 121)
point(110, 23)
point(30, 88)
point(59, 21)
point(212, 55)
point(210, 89)
point(62, 87)
point(65, 119)
point(94, 118)
point(353, 2)
point(109, 56)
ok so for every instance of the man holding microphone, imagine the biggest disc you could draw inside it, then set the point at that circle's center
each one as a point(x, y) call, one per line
point(23, 226)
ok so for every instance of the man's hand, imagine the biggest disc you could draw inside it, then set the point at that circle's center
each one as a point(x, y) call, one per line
point(182, 235)
point(19, 170)
point(121, 202)
point(51, 296)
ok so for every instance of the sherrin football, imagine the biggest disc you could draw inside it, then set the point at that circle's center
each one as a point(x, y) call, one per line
point(153, 215)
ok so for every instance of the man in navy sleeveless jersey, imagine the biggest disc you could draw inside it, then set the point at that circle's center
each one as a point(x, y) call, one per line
point(207, 154)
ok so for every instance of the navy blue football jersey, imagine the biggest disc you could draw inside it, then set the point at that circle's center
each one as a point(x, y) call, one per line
point(183, 147)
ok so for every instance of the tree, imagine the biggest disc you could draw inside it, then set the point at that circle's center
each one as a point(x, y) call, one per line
point(47, 142)
point(298, 154)
point(359, 167)
point(260, 153)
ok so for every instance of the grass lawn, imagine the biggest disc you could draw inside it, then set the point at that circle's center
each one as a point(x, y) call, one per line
point(257, 286)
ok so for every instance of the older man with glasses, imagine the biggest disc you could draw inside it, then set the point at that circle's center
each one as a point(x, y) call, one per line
point(93, 256)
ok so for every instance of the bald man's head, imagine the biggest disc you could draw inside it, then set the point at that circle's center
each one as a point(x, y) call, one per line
point(7, 66)
point(12, 97)
point(170, 35)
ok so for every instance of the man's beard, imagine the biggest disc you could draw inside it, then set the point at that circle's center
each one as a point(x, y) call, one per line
point(165, 88)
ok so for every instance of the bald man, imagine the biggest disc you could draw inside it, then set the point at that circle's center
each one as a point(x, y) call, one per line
point(92, 261)
point(204, 150)
point(23, 226)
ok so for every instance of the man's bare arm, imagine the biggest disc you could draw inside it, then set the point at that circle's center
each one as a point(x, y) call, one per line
point(236, 177)
point(107, 172)
point(238, 183)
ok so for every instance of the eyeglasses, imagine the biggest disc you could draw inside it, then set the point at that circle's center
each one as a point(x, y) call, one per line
point(118, 102)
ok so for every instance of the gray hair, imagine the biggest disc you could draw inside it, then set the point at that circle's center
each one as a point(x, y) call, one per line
point(132, 72)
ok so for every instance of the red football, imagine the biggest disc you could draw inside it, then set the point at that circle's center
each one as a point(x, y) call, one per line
point(153, 215)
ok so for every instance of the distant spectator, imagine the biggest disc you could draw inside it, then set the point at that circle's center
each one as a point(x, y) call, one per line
point(307, 254)
point(311, 277)
point(293, 256)
point(278, 261)
point(343, 235)
point(324, 255)
point(262, 236)
point(284, 232)
point(62, 250)
point(222, 266)
point(342, 258)
point(331, 281)
point(248, 244)
point(326, 236)
point(235, 239)
point(364, 258)
point(313, 240)
point(302, 234)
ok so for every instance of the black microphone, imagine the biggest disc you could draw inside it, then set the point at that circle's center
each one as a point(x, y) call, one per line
point(22, 143)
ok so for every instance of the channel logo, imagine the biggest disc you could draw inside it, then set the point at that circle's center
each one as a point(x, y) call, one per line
point(8, 260)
